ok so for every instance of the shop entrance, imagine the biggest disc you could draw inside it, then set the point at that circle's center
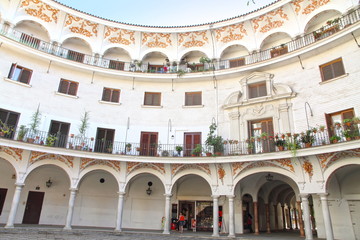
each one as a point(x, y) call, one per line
point(187, 208)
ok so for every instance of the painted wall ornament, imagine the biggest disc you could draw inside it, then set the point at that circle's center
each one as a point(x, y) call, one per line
point(121, 36)
point(40, 10)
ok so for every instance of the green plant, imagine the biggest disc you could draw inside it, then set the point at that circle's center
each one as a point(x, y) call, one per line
point(356, 120)
point(204, 60)
point(347, 134)
point(307, 137)
point(5, 129)
point(180, 72)
point(22, 132)
point(50, 140)
point(264, 135)
point(165, 153)
point(347, 121)
point(197, 150)
point(214, 141)
point(35, 120)
point(335, 138)
point(128, 145)
point(179, 149)
point(279, 142)
point(84, 124)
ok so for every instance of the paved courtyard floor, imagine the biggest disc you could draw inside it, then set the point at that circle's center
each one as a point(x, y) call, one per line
point(57, 233)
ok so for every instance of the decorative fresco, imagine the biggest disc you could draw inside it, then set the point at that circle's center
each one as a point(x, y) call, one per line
point(327, 159)
point(308, 167)
point(81, 26)
point(37, 156)
point(230, 33)
point(285, 163)
point(308, 6)
point(15, 153)
point(132, 166)
point(269, 21)
point(121, 36)
point(87, 162)
point(193, 39)
point(204, 167)
point(41, 10)
point(221, 173)
point(156, 40)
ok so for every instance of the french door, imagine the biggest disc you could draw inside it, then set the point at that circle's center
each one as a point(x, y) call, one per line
point(61, 131)
point(148, 143)
point(190, 141)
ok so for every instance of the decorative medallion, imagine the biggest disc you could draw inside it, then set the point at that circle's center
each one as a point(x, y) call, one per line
point(132, 166)
point(221, 173)
point(204, 167)
point(285, 163)
point(308, 168)
point(268, 19)
point(156, 40)
point(15, 153)
point(198, 39)
point(37, 156)
point(230, 33)
point(123, 36)
point(81, 26)
point(41, 10)
point(87, 162)
point(327, 159)
point(312, 6)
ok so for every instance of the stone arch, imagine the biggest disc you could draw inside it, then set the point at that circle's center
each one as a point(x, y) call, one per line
point(227, 46)
point(316, 19)
point(86, 42)
point(196, 172)
point(11, 161)
point(198, 52)
point(140, 171)
point(34, 27)
point(125, 49)
point(274, 39)
point(336, 165)
point(90, 169)
point(148, 52)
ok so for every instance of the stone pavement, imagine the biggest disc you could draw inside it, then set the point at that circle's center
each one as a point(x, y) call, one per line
point(37, 232)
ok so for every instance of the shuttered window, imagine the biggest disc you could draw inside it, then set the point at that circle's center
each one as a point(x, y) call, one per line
point(68, 87)
point(257, 90)
point(111, 95)
point(152, 99)
point(237, 62)
point(20, 74)
point(192, 98)
point(332, 69)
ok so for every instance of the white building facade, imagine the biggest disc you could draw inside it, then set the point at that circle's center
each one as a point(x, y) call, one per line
point(100, 120)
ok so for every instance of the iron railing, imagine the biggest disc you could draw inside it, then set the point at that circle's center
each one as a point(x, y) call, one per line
point(253, 145)
point(331, 28)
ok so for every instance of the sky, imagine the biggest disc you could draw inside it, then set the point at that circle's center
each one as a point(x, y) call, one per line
point(166, 13)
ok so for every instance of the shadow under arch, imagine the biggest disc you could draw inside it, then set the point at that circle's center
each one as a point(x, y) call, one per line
point(33, 27)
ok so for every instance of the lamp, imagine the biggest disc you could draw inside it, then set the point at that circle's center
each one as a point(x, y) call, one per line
point(269, 177)
point(48, 183)
point(149, 191)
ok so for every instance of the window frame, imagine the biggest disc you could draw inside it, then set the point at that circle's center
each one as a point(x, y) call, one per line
point(187, 94)
point(322, 66)
point(152, 100)
point(13, 68)
point(257, 85)
point(112, 90)
point(68, 87)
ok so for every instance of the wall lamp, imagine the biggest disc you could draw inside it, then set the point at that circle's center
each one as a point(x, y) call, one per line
point(269, 177)
point(48, 183)
point(149, 191)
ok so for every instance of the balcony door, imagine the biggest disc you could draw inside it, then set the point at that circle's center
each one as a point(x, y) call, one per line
point(10, 119)
point(61, 131)
point(191, 140)
point(33, 207)
point(258, 127)
point(104, 140)
point(148, 143)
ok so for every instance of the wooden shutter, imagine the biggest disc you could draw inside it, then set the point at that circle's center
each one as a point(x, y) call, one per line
point(106, 94)
point(63, 86)
point(25, 76)
point(73, 88)
point(12, 69)
point(338, 68)
point(115, 96)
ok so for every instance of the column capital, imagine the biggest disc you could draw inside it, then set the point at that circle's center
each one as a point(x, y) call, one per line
point(20, 185)
point(323, 195)
point(304, 195)
point(168, 195)
point(230, 196)
point(215, 196)
point(73, 189)
point(121, 193)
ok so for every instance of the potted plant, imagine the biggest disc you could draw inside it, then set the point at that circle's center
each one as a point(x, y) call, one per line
point(128, 147)
point(356, 120)
point(263, 135)
point(22, 132)
point(84, 125)
point(214, 141)
point(179, 149)
point(308, 139)
point(50, 140)
point(34, 124)
point(280, 143)
point(335, 139)
point(347, 134)
point(109, 149)
point(322, 128)
point(197, 150)
point(5, 129)
point(347, 122)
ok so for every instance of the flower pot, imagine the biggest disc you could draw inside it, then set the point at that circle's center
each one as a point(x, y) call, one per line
point(78, 147)
point(281, 148)
point(334, 141)
point(208, 154)
point(30, 140)
point(307, 145)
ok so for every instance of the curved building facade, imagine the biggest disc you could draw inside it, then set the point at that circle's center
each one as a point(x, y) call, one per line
point(106, 124)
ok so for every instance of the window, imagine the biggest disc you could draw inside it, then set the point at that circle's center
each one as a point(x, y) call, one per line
point(116, 65)
point(256, 129)
point(257, 90)
point(68, 87)
point(29, 40)
point(76, 56)
point(332, 69)
point(335, 120)
point(10, 120)
point(237, 62)
point(152, 99)
point(192, 98)
point(111, 95)
point(20, 74)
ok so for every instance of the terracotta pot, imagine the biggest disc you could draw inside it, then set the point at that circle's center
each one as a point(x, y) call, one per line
point(281, 148)
point(30, 140)
point(208, 154)
point(307, 145)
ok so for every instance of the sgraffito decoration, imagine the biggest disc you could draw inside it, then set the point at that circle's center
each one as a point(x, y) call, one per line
point(38, 156)
point(310, 6)
point(269, 21)
point(204, 167)
point(132, 166)
point(285, 163)
point(15, 153)
point(195, 39)
point(230, 33)
point(221, 173)
point(81, 26)
point(327, 159)
point(40, 10)
point(121, 36)
point(308, 167)
point(156, 40)
point(87, 162)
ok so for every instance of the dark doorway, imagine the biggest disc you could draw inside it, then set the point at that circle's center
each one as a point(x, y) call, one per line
point(61, 131)
point(191, 140)
point(3, 192)
point(148, 143)
point(187, 208)
point(33, 207)
point(257, 129)
point(10, 120)
point(104, 140)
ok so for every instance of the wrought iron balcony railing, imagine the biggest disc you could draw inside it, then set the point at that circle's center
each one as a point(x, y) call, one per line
point(332, 27)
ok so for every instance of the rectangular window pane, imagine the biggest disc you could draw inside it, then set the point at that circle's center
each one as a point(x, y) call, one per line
point(338, 69)
point(63, 86)
point(115, 96)
point(152, 99)
point(106, 94)
point(25, 76)
point(332, 69)
point(192, 98)
point(72, 89)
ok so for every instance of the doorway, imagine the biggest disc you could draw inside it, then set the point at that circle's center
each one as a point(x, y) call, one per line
point(187, 208)
point(191, 140)
point(61, 131)
point(33, 207)
point(104, 140)
point(148, 143)
point(3, 192)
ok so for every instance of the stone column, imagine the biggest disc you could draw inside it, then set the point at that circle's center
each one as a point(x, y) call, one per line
point(14, 205)
point(283, 216)
point(215, 215)
point(167, 214)
point(295, 217)
point(290, 220)
point(267, 218)
point(120, 209)
point(256, 213)
point(301, 223)
point(231, 216)
point(326, 216)
point(276, 218)
point(70, 210)
point(307, 220)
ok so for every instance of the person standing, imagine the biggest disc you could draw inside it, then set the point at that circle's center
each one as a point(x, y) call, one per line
point(181, 222)
point(249, 223)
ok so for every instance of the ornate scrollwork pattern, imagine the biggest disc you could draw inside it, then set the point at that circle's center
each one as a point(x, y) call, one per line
point(270, 23)
point(233, 33)
point(158, 40)
point(84, 27)
point(87, 162)
point(37, 156)
point(132, 166)
point(42, 11)
point(120, 35)
point(204, 167)
point(194, 36)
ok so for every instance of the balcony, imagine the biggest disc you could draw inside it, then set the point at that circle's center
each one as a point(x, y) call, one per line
point(330, 29)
